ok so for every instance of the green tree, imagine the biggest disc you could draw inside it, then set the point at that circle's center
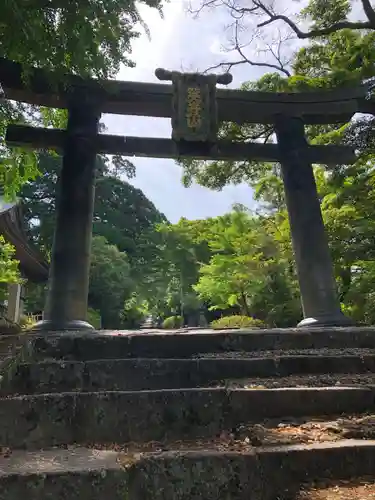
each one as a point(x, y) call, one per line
point(9, 271)
point(127, 219)
point(122, 215)
point(247, 271)
point(87, 38)
point(135, 311)
point(338, 51)
point(90, 38)
point(110, 287)
point(110, 281)
point(184, 249)
point(16, 165)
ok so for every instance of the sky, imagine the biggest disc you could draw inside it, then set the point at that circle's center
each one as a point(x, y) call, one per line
point(181, 43)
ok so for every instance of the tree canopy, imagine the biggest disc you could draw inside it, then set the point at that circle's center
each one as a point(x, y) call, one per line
point(50, 32)
point(9, 272)
point(125, 247)
point(87, 38)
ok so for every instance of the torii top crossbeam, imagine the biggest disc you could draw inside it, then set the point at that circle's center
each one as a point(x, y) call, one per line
point(154, 99)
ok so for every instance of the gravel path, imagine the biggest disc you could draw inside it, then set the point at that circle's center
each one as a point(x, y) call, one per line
point(344, 490)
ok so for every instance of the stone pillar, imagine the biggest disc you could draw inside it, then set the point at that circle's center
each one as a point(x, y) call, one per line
point(320, 303)
point(14, 298)
point(66, 304)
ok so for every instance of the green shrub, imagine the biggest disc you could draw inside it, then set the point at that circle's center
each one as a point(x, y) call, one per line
point(135, 312)
point(237, 322)
point(26, 322)
point(94, 318)
point(173, 322)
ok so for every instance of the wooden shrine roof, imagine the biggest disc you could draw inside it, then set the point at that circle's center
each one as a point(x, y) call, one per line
point(32, 263)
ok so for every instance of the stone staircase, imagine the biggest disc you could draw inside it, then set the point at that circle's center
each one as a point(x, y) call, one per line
point(229, 415)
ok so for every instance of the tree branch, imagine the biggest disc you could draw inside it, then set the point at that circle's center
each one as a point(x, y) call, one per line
point(318, 32)
point(369, 11)
point(276, 53)
point(229, 65)
point(204, 5)
point(245, 60)
point(357, 25)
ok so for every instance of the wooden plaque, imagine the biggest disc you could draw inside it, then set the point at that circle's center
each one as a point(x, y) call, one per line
point(194, 108)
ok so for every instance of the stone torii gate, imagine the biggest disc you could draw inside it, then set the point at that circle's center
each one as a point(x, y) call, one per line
point(196, 108)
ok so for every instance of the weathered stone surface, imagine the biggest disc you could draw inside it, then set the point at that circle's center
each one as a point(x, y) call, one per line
point(273, 403)
point(62, 474)
point(14, 350)
point(48, 377)
point(300, 463)
point(92, 363)
point(57, 419)
point(147, 374)
point(300, 381)
point(57, 461)
point(114, 345)
point(64, 486)
point(264, 474)
point(199, 475)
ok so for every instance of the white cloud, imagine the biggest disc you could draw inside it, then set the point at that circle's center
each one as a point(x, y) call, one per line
point(177, 42)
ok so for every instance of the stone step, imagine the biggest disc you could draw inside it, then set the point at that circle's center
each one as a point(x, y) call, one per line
point(40, 421)
point(322, 352)
point(296, 381)
point(114, 345)
point(262, 474)
point(11, 344)
point(148, 374)
point(63, 475)
point(13, 351)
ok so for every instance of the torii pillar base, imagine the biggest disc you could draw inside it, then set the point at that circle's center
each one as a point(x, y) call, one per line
point(326, 321)
point(52, 326)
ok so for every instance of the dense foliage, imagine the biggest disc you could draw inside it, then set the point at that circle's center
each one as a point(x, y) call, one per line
point(125, 242)
point(9, 272)
point(89, 38)
point(338, 52)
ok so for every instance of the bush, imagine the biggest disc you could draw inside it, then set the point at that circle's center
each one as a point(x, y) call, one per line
point(134, 313)
point(172, 322)
point(26, 322)
point(94, 318)
point(132, 319)
point(237, 322)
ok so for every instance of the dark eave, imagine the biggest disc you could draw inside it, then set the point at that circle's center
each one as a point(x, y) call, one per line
point(32, 263)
